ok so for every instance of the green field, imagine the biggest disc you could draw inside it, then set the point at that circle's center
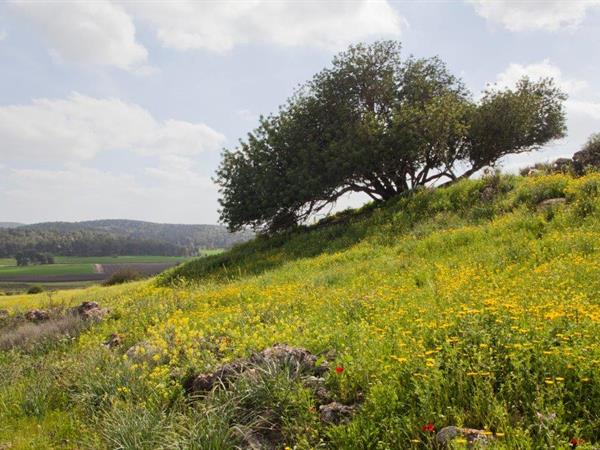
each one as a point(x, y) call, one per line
point(47, 269)
point(118, 259)
point(72, 265)
point(80, 265)
point(16, 287)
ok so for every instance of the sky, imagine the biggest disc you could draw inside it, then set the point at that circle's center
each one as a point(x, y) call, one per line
point(116, 109)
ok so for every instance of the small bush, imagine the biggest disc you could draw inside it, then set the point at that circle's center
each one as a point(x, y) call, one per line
point(35, 289)
point(583, 193)
point(534, 190)
point(123, 276)
point(134, 427)
point(588, 158)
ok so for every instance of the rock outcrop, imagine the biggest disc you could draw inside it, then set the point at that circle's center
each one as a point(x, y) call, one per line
point(335, 413)
point(37, 315)
point(279, 355)
point(550, 202)
point(472, 435)
point(90, 311)
point(112, 341)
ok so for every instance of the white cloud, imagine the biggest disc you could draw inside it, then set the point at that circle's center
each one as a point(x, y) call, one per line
point(179, 171)
point(69, 131)
point(79, 127)
point(3, 35)
point(544, 69)
point(86, 32)
point(102, 32)
point(219, 26)
point(36, 195)
point(584, 108)
point(521, 15)
point(583, 112)
point(247, 115)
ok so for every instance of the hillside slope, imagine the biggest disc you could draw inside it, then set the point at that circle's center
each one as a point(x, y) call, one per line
point(465, 306)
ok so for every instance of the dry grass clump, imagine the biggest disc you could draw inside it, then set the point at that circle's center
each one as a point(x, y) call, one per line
point(26, 335)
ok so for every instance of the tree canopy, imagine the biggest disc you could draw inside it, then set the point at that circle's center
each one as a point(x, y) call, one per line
point(29, 256)
point(589, 156)
point(376, 123)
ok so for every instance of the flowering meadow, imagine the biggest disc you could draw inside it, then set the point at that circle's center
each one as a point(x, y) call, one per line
point(475, 305)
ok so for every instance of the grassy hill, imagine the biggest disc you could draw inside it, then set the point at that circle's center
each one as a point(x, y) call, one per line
point(470, 306)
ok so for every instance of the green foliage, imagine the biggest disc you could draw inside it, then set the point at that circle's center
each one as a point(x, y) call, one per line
point(131, 427)
point(378, 124)
point(515, 121)
point(583, 193)
point(588, 158)
point(35, 289)
point(459, 306)
point(28, 256)
point(533, 190)
point(476, 200)
point(46, 269)
point(123, 276)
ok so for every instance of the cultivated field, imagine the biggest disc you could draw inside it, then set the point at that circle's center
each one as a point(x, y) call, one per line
point(120, 259)
point(44, 271)
point(75, 271)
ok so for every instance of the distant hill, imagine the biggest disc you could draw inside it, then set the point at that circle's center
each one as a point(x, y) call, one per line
point(116, 237)
point(10, 224)
point(205, 236)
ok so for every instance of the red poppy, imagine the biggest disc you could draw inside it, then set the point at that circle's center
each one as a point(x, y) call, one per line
point(574, 442)
point(429, 427)
point(339, 370)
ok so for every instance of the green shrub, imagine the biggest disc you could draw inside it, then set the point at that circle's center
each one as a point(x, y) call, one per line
point(123, 276)
point(134, 427)
point(37, 289)
point(583, 193)
point(532, 191)
point(588, 158)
